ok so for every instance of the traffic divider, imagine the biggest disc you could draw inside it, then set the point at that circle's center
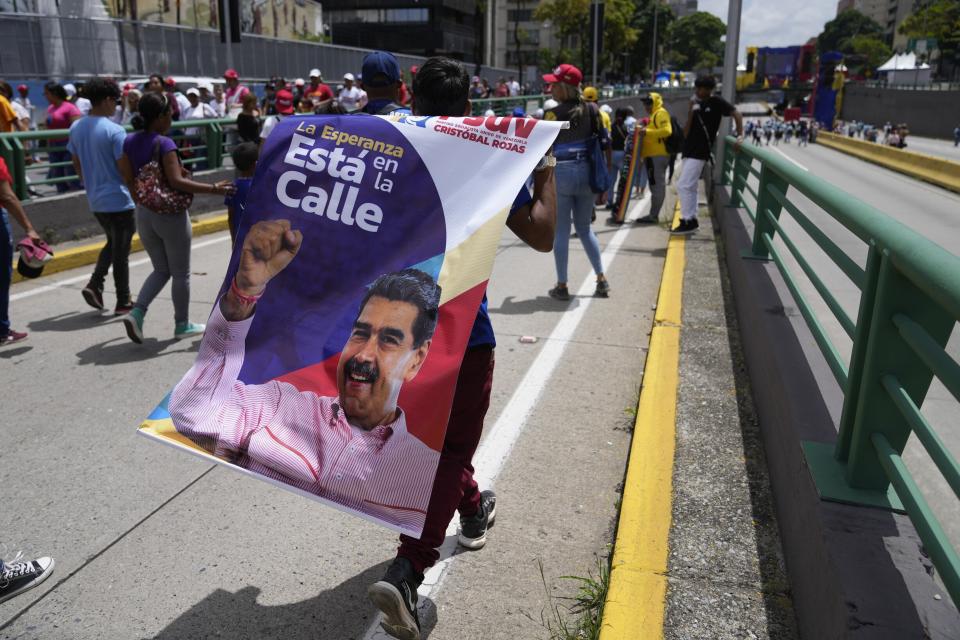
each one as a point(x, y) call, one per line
point(939, 171)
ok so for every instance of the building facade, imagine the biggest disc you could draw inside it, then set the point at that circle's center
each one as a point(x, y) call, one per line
point(518, 38)
point(682, 8)
point(417, 27)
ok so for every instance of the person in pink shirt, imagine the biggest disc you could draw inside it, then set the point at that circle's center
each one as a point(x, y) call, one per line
point(60, 115)
point(353, 449)
point(235, 92)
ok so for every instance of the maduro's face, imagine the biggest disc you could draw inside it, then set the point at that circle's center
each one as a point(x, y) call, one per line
point(377, 359)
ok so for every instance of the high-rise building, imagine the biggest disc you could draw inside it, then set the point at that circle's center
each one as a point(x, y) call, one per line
point(873, 9)
point(422, 27)
point(682, 8)
point(518, 37)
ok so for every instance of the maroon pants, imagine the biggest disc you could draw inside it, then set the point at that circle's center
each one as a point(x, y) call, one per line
point(454, 488)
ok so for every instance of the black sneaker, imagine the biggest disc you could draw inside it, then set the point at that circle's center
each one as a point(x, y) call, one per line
point(647, 220)
point(685, 227)
point(559, 292)
point(93, 296)
point(473, 529)
point(602, 290)
point(18, 576)
point(396, 597)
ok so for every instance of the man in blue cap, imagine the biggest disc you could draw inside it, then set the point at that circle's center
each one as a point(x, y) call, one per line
point(381, 80)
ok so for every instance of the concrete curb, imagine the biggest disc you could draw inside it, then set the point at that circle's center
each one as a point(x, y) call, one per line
point(939, 171)
point(87, 254)
point(636, 598)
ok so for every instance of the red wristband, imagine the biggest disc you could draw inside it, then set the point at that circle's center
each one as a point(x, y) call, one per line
point(243, 299)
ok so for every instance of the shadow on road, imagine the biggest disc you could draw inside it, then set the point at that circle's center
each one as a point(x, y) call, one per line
point(121, 351)
point(540, 303)
point(15, 351)
point(73, 321)
point(336, 614)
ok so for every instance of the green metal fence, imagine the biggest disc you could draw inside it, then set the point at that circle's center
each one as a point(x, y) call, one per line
point(34, 154)
point(909, 304)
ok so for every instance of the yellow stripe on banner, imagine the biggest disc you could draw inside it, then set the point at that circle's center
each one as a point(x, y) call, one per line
point(67, 259)
point(636, 600)
point(470, 262)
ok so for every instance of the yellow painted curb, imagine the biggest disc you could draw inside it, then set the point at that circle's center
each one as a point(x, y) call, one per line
point(939, 171)
point(87, 254)
point(636, 600)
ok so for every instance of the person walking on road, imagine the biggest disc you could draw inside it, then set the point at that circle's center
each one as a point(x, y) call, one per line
point(703, 123)
point(575, 198)
point(60, 115)
point(655, 155)
point(165, 237)
point(441, 89)
point(96, 143)
point(956, 136)
point(9, 202)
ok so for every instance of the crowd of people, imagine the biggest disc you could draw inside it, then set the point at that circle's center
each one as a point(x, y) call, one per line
point(136, 181)
point(774, 131)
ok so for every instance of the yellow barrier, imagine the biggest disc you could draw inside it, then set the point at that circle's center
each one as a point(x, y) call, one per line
point(87, 254)
point(939, 171)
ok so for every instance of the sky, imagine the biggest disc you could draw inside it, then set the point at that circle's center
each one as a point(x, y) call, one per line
point(773, 23)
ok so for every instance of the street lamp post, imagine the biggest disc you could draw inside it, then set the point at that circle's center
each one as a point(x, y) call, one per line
point(653, 51)
point(729, 73)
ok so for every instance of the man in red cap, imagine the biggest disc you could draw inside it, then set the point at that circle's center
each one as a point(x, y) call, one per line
point(24, 99)
point(235, 92)
point(283, 101)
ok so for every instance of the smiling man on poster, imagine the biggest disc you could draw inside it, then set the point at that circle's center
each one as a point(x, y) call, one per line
point(353, 449)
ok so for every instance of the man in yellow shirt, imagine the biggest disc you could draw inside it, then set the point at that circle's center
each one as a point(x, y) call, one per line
point(8, 117)
point(654, 153)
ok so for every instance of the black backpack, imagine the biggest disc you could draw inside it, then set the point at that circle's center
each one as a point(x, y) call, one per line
point(674, 142)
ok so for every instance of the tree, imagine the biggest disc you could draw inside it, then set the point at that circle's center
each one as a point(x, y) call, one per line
point(940, 20)
point(642, 23)
point(571, 18)
point(838, 34)
point(693, 42)
point(869, 53)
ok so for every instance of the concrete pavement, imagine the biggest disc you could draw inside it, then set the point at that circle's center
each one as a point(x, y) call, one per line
point(152, 543)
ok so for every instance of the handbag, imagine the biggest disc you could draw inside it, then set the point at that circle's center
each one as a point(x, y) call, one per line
point(599, 175)
point(154, 192)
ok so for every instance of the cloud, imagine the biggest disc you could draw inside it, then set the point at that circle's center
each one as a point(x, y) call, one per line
point(774, 24)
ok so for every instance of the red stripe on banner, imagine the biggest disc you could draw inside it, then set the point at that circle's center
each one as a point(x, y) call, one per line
point(393, 506)
point(426, 399)
point(299, 455)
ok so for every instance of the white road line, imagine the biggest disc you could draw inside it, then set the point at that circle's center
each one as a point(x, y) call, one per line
point(500, 439)
point(788, 158)
point(135, 263)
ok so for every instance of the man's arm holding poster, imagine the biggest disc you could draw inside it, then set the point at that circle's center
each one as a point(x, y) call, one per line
point(535, 221)
point(209, 405)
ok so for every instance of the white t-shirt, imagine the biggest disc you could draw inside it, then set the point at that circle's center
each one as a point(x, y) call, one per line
point(350, 98)
point(200, 112)
point(84, 105)
point(268, 126)
point(514, 88)
point(20, 110)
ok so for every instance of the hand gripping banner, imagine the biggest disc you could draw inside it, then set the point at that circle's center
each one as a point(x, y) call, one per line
point(329, 362)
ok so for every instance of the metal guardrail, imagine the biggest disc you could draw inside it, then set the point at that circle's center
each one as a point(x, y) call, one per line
point(909, 303)
point(23, 151)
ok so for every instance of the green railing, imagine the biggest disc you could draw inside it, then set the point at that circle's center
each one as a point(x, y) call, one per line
point(909, 304)
point(28, 153)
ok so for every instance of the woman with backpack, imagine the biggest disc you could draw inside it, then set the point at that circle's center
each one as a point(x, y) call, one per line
point(163, 193)
point(575, 194)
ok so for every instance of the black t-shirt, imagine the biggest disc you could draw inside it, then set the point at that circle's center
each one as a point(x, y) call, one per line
point(697, 143)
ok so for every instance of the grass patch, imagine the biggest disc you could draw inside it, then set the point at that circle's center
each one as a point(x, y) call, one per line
point(576, 617)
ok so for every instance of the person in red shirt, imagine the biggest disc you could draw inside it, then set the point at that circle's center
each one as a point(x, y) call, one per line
point(317, 90)
point(10, 202)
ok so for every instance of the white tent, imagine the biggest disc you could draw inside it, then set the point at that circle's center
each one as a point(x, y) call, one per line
point(902, 69)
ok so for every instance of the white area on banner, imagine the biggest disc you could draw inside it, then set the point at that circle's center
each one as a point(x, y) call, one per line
point(499, 442)
point(134, 263)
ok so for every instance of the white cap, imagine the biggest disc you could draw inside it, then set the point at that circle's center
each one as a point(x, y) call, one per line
point(70, 89)
point(538, 114)
point(299, 82)
point(193, 92)
point(550, 103)
point(489, 112)
point(606, 108)
point(204, 85)
point(315, 72)
point(348, 76)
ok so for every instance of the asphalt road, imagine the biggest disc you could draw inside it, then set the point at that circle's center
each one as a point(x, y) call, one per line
point(929, 210)
point(934, 147)
point(152, 543)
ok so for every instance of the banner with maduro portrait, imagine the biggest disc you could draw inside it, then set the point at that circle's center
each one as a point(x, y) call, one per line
point(330, 359)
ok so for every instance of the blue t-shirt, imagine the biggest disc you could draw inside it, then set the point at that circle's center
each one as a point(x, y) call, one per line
point(98, 143)
point(482, 332)
point(239, 198)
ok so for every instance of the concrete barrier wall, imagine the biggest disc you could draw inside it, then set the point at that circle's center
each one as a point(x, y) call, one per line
point(938, 171)
point(927, 113)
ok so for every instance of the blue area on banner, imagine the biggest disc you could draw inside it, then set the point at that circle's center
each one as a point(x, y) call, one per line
point(308, 310)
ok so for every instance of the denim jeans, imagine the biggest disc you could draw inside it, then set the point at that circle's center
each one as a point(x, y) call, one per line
point(574, 202)
point(119, 227)
point(6, 271)
point(617, 162)
point(64, 171)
